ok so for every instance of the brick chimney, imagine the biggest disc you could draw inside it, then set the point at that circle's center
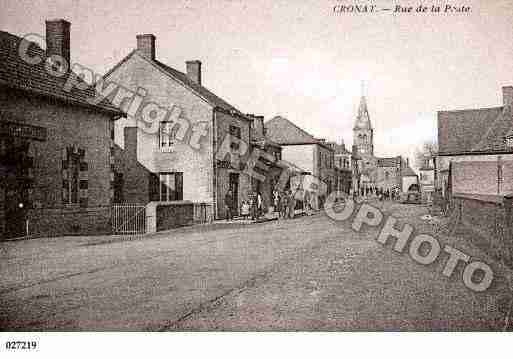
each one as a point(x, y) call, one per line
point(507, 95)
point(194, 71)
point(146, 45)
point(58, 38)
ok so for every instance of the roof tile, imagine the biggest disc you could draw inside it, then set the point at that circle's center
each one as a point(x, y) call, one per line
point(478, 130)
point(14, 72)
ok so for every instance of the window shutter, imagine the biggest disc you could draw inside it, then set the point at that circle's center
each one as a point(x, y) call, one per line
point(83, 179)
point(64, 173)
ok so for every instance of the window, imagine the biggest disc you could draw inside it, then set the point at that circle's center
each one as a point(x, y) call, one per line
point(74, 177)
point(167, 187)
point(167, 135)
point(509, 141)
point(236, 133)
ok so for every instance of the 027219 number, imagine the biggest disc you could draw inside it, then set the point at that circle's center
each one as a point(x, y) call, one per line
point(20, 345)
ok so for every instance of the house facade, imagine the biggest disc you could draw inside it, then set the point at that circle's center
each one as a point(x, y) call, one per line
point(343, 167)
point(184, 143)
point(474, 154)
point(388, 173)
point(474, 170)
point(427, 179)
point(314, 156)
point(55, 144)
point(272, 163)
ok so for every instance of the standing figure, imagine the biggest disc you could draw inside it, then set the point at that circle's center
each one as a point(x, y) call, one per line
point(276, 200)
point(292, 204)
point(244, 211)
point(228, 205)
point(283, 204)
point(260, 205)
point(252, 206)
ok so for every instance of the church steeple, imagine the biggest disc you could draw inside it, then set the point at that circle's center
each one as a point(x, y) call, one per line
point(363, 133)
point(363, 118)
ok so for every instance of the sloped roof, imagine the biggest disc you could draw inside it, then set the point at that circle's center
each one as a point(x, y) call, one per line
point(292, 166)
point(202, 90)
point(340, 149)
point(181, 77)
point(264, 141)
point(285, 132)
point(474, 131)
point(16, 73)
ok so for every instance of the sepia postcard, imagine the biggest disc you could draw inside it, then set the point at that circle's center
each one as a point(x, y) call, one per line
point(255, 166)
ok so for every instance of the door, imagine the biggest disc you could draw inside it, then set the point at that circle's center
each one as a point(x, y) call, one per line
point(14, 188)
point(14, 185)
point(15, 211)
point(118, 187)
point(234, 186)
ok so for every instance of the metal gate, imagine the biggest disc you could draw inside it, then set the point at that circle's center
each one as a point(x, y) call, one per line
point(128, 219)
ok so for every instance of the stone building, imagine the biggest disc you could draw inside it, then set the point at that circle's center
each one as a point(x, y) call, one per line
point(474, 153)
point(261, 141)
point(474, 170)
point(343, 167)
point(191, 145)
point(315, 156)
point(427, 179)
point(55, 143)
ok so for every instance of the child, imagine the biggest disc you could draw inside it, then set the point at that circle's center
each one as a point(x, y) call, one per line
point(244, 211)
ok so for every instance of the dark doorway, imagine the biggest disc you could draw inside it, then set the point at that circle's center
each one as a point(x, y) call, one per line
point(234, 186)
point(14, 185)
point(118, 187)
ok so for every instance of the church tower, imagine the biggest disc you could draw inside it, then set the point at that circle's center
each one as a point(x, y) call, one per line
point(363, 133)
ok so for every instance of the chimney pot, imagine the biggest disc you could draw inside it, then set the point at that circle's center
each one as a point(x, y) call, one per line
point(194, 71)
point(146, 45)
point(507, 95)
point(58, 38)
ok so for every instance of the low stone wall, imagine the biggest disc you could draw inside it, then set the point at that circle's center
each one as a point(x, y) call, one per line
point(490, 217)
point(174, 215)
point(161, 216)
point(69, 221)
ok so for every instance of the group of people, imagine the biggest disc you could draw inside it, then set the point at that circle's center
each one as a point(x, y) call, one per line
point(253, 207)
point(382, 194)
point(283, 202)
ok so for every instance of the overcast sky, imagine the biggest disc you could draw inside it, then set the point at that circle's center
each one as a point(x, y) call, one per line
point(299, 60)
